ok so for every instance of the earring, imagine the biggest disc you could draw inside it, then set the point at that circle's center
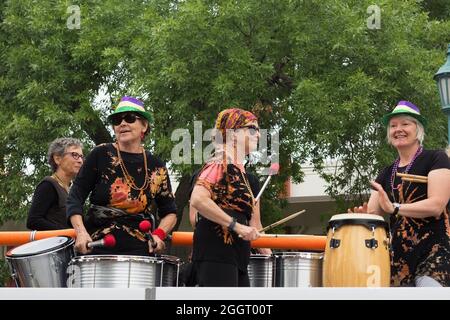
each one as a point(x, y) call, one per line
point(142, 135)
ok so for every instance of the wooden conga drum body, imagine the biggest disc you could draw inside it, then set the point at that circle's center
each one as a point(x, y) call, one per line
point(356, 251)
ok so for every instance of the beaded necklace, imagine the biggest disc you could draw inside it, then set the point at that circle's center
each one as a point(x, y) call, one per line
point(395, 167)
point(128, 177)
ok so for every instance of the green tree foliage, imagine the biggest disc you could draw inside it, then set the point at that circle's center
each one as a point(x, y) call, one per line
point(312, 69)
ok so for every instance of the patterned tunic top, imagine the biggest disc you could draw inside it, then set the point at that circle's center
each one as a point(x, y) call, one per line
point(231, 191)
point(420, 247)
point(102, 178)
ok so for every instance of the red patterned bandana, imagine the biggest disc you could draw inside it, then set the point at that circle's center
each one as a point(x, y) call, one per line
point(233, 118)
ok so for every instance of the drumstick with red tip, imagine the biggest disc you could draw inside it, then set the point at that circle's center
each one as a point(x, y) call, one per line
point(145, 227)
point(273, 170)
point(108, 241)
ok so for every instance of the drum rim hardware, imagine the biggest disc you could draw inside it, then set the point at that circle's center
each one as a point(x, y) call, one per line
point(62, 245)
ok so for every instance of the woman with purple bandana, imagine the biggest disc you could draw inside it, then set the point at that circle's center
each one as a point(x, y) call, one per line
point(419, 216)
point(122, 180)
point(229, 215)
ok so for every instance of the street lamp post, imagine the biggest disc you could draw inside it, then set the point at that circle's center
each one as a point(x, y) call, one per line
point(442, 78)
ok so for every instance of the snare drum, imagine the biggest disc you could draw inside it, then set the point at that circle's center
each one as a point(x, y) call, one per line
point(298, 269)
point(357, 251)
point(260, 270)
point(122, 271)
point(41, 263)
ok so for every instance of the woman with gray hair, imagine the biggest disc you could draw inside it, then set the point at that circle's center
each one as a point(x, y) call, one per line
point(419, 217)
point(48, 207)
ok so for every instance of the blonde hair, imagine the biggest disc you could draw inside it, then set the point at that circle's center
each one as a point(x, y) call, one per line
point(420, 130)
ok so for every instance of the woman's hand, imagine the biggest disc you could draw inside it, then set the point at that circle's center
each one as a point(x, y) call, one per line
point(383, 199)
point(360, 209)
point(83, 238)
point(265, 251)
point(160, 245)
point(246, 232)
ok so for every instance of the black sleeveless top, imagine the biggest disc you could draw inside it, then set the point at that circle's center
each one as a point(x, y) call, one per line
point(48, 208)
point(231, 192)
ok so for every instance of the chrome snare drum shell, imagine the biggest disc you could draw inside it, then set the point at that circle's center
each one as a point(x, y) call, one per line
point(260, 270)
point(123, 271)
point(41, 263)
point(298, 269)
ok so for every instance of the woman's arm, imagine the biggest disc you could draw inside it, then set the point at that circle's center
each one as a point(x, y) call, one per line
point(193, 216)
point(166, 225)
point(438, 197)
point(83, 236)
point(202, 202)
point(255, 221)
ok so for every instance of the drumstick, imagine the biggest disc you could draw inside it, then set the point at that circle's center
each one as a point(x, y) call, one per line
point(272, 171)
point(412, 176)
point(275, 235)
point(292, 216)
point(414, 180)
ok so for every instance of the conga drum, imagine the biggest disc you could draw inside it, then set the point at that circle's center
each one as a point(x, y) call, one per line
point(357, 251)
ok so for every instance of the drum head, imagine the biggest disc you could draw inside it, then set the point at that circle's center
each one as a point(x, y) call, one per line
point(364, 219)
point(169, 259)
point(39, 247)
point(353, 216)
point(261, 256)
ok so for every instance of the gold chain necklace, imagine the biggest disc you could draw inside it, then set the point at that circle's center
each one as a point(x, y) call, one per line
point(247, 184)
point(128, 177)
point(60, 182)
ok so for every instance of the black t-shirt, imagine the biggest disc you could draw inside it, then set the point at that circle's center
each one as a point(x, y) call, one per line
point(419, 246)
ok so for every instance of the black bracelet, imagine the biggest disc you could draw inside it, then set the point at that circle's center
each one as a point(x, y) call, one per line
point(232, 225)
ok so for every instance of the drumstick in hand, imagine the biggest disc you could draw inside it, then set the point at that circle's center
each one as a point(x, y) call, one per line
point(108, 241)
point(274, 168)
point(145, 226)
point(292, 216)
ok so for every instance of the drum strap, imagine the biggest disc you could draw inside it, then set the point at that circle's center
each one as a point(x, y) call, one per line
point(131, 231)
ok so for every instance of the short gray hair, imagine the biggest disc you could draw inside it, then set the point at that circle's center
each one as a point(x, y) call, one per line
point(420, 131)
point(58, 147)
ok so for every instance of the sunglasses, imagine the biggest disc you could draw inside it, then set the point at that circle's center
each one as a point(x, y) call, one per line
point(252, 129)
point(128, 117)
point(75, 155)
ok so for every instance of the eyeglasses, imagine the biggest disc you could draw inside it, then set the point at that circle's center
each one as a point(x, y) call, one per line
point(127, 116)
point(75, 155)
point(252, 129)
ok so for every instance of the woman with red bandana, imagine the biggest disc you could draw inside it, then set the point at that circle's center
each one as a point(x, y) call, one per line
point(122, 179)
point(229, 218)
